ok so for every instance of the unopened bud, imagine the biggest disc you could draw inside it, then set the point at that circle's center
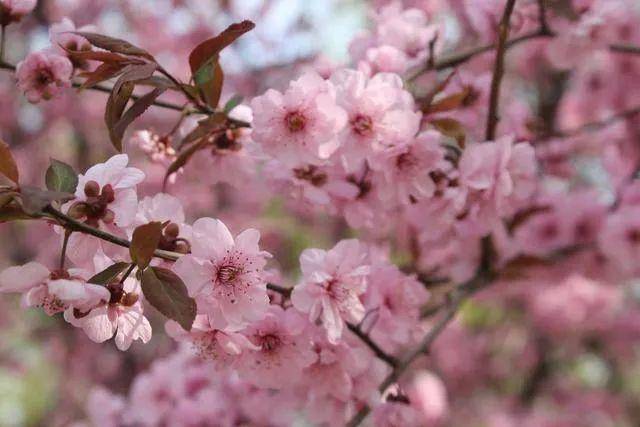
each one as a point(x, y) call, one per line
point(108, 195)
point(92, 189)
point(172, 231)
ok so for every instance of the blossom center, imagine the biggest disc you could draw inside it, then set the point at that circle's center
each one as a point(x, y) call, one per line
point(362, 125)
point(95, 207)
point(312, 174)
point(270, 342)
point(227, 274)
point(295, 121)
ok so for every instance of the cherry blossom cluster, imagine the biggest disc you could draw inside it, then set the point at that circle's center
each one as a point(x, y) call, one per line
point(466, 148)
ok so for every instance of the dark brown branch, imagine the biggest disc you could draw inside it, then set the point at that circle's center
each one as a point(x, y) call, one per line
point(498, 71)
point(381, 354)
point(74, 225)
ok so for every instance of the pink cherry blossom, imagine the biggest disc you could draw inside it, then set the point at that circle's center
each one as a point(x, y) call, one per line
point(105, 198)
point(300, 125)
point(620, 239)
point(54, 291)
point(225, 275)
point(428, 395)
point(209, 343)
point(393, 301)
point(63, 39)
point(409, 169)
point(331, 286)
point(122, 314)
point(285, 350)
point(500, 177)
point(380, 113)
point(14, 10)
point(43, 75)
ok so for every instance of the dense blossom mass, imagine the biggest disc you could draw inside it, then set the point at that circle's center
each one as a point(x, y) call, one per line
point(443, 230)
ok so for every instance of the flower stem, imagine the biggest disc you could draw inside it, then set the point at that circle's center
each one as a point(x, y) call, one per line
point(65, 242)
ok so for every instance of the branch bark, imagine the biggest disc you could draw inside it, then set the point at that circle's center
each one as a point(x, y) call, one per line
point(498, 71)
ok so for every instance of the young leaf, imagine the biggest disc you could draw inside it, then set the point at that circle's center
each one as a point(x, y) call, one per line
point(206, 50)
point(8, 166)
point(118, 99)
point(451, 128)
point(144, 242)
point(61, 177)
point(168, 294)
point(114, 45)
point(116, 132)
point(232, 103)
point(214, 123)
point(450, 102)
point(209, 80)
point(109, 274)
point(104, 72)
point(34, 200)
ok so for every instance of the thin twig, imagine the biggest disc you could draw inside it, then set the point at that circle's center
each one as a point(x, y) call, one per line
point(594, 126)
point(381, 354)
point(498, 71)
point(464, 290)
point(3, 40)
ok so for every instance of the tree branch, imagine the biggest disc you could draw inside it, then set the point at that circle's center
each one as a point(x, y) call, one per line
point(162, 104)
point(463, 291)
point(498, 71)
point(74, 225)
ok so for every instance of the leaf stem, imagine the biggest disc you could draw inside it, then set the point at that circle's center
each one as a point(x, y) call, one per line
point(128, 272)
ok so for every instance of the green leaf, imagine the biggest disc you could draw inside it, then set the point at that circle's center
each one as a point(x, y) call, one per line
point(109, 274)
point(61, 177)
point(233, 103)
point(8, 166)
point(144, 242)
point(209, 79)
point(168, 294)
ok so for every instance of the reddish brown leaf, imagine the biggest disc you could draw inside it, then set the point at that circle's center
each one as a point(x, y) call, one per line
point(135, 111)
point(96, 55)
point(144, 242)
point(113, 44)
point(165, 291)
point(451, 128)
point(118, 99)
point(8, 166)
point(448, 103)
point(206, 50)
point(104, 71)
